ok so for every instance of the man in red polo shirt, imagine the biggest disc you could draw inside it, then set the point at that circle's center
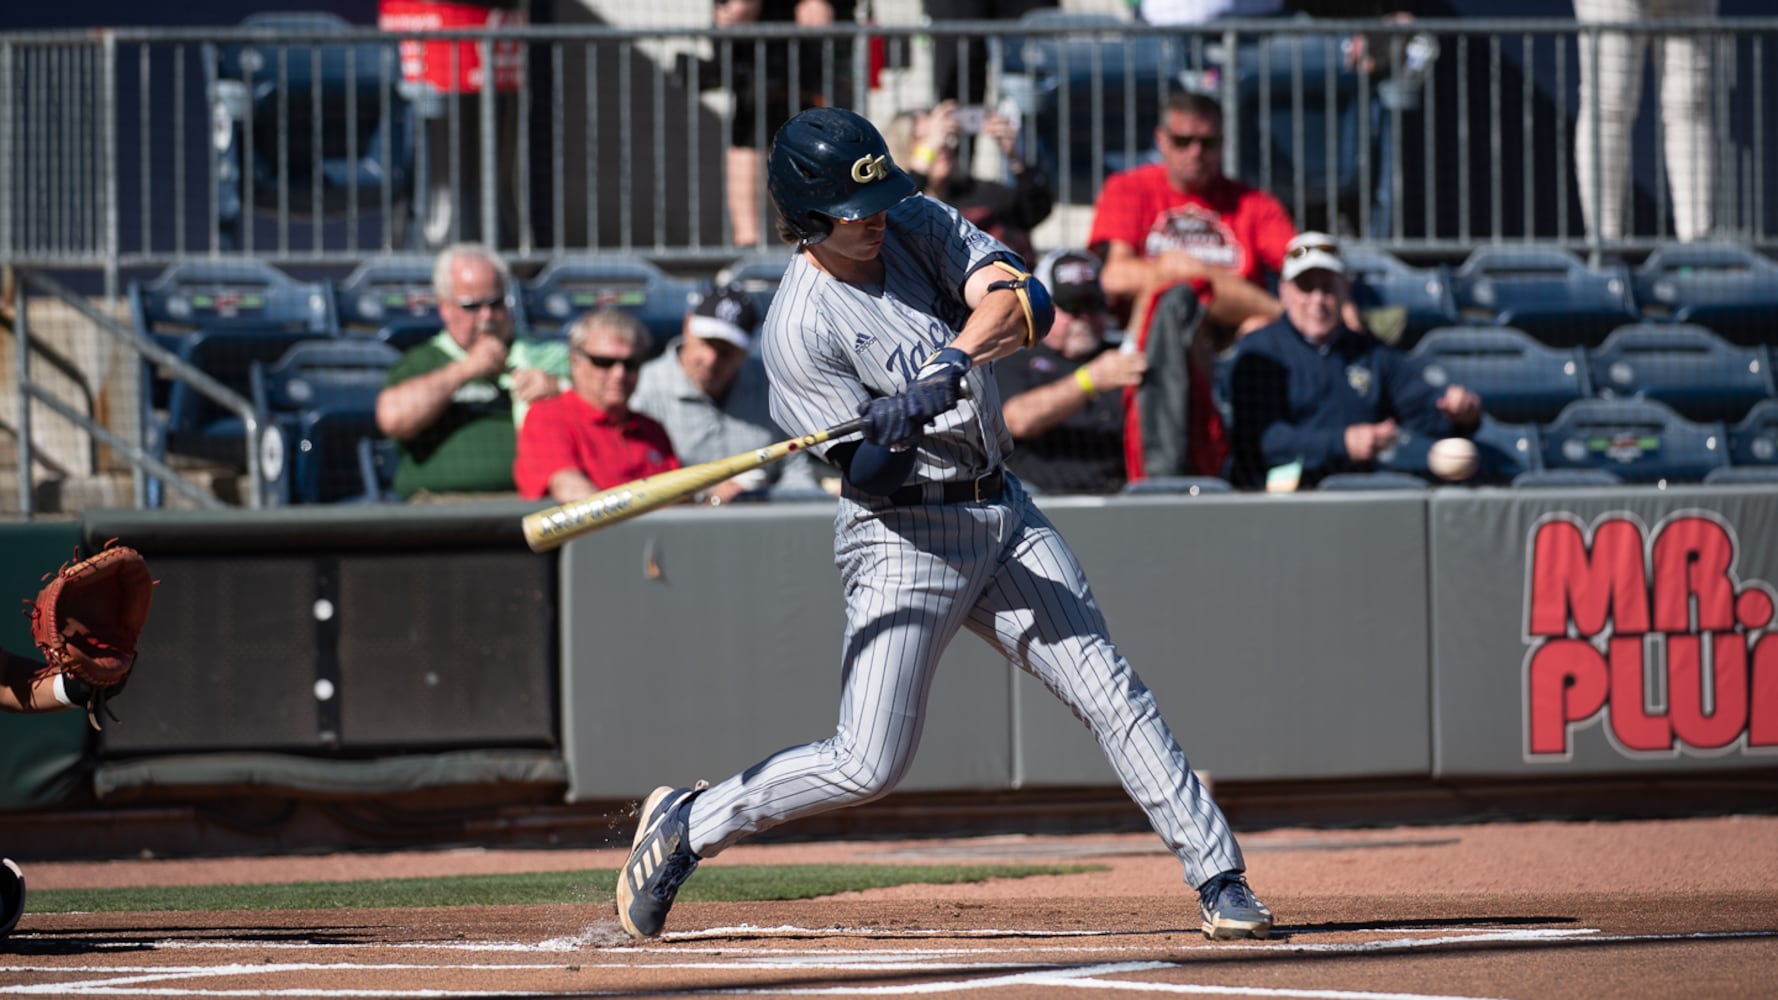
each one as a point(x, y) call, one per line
point(1182, 222)
point(580, 442)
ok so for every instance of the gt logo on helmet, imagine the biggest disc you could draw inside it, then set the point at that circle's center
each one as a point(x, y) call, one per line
point(869, 168)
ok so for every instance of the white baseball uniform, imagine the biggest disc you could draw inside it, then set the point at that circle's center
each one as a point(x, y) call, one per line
point(915, 573)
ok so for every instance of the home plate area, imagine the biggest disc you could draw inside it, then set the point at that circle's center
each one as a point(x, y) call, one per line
point(999, 949)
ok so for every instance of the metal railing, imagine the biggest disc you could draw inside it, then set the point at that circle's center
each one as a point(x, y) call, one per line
point(130, 149)
point(135, 147)
point(142, 461)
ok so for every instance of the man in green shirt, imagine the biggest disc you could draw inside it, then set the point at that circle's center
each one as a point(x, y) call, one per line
point(454, 404)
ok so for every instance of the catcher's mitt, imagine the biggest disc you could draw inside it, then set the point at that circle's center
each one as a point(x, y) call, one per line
point(86, 619)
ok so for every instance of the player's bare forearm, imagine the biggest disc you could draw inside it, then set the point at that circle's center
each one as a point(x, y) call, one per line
point(998, 326)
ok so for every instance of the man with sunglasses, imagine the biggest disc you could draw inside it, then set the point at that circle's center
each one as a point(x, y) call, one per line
point(1064, 396)
point(453, 403)
point(588, 439)
point(1181, 220)
point(1312, 395)
point(1187, 249)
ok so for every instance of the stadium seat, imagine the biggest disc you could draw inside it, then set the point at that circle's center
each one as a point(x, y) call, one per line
point(573, 285)
point(218, 316)
point(1382, 479)
point(377, 461)
point(1176, 486)
point(1547, 292)
point(1724, 287)
point(1743, 475)
point(758, 274)
point(1556, 478)
point(1382, 283)
point(1502, 452)
point(390, 298)
point(323, 394)
point(1518, 378)
point(271, 151)
point(1753, 441)
point(1639, 440)
point(1082, 130)
point(1698, 374)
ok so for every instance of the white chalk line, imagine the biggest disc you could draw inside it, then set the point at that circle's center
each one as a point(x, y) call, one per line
point(133, 980)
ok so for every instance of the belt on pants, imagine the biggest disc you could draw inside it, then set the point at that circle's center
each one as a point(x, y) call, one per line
point(987, 487)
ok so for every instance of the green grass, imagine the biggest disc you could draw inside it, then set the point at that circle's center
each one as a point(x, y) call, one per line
point(717, 884)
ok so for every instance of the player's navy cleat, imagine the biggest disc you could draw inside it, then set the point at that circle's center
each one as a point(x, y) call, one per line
point(12, 896)
point(1231, 910)
point(660, 860)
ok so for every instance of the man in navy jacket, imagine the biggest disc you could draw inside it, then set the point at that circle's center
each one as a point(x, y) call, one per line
point(1309, 389)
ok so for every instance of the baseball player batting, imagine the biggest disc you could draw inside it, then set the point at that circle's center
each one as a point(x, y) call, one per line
point(893, 310)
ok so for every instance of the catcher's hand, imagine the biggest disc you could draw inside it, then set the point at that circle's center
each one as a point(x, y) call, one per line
point(86, 619)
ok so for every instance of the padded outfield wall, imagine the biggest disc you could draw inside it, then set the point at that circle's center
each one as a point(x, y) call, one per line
point(1441, 636)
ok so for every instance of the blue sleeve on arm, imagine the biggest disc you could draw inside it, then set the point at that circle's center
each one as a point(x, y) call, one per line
point(873, 469)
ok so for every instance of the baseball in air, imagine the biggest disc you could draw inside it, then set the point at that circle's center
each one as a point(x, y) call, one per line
point(1452, 459)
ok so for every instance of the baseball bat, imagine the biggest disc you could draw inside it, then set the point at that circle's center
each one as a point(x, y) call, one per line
point(549, 528)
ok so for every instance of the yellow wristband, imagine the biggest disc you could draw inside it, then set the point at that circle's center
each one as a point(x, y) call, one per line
point(924, 156)
point(1084, 379)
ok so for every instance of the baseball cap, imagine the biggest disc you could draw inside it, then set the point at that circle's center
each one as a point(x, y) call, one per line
point(728, 313)
point(1309, 251)
point(1072, 277)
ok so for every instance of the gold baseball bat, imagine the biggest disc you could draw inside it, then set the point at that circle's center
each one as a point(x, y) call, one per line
point(549, 528)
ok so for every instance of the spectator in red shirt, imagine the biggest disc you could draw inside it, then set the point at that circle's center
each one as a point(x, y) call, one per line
point(580, 442)
point(1181, 224)
point(1181, 220)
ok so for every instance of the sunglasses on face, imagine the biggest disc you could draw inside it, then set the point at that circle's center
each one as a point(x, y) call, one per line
point(1183, 142)
point(603, 363)
point(1309, 248)
point(498, 302)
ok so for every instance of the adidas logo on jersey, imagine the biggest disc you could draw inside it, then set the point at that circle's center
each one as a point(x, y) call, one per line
point(862, 341)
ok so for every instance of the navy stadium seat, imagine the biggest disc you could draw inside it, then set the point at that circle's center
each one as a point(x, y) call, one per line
point(323, 394)
point(1176, 486)
point(1743, 475)
point(1519, 378)
point(1753, 441)
point(219, 316)
point(573, 285)
point(1639, 440)
point(1545, 291)
point(271, 151)
point(1381, 283)
point(1700, 375)
point(758, 274)
point(1558, 478)
point(1503, 451)
point(1382, 479)
point(1725, 287)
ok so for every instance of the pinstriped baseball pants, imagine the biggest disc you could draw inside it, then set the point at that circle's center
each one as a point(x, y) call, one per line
point(913, 577)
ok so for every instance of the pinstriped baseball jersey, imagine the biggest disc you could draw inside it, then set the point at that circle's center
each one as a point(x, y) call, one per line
point(829, 346)
point(915, 574)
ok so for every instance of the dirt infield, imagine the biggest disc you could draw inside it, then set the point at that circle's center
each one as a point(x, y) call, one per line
point(1625, 909)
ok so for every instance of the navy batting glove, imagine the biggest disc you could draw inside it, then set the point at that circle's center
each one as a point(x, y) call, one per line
point(889, 422)
point(949, 364)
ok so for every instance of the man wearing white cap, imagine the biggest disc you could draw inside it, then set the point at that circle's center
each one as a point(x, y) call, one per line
point(1310, 389)
point(709, 391)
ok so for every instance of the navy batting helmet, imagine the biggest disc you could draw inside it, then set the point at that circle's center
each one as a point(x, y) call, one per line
point(830, 163)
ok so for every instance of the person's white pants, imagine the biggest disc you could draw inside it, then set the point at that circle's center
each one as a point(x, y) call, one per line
point(1682, 63)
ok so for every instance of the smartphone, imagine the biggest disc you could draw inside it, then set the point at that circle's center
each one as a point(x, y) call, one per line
point(971, 118)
